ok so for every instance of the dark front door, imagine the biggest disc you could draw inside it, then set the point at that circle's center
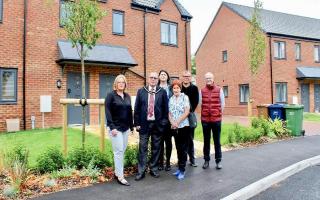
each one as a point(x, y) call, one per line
point(74, 86)
point(317, 97)
point(105, 85)
point(305, 97)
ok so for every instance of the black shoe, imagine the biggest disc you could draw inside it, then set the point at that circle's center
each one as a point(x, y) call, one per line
point(139, 176)
point(193, 164)
point(167, 168)
point(205, 165)
point(154, 174)
point(123, 181)
point(218, 165)
point(160, 168)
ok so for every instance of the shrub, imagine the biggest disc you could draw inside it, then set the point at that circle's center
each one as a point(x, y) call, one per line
point(131, 156)
point(80, 158)
point(262, 123)
point(50, 160)
point(278, 128)
point(66, 171)
point(16, 165)
point(90, 171)
point(231, 137)
point(237, 132)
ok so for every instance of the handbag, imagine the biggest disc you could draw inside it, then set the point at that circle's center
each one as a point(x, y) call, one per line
point(192, 120)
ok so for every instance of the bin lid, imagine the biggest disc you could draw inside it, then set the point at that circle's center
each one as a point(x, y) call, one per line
point(294, 106)
point(263, 105)
point(276, 106)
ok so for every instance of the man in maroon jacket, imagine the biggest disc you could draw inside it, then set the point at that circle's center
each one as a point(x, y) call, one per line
point(211, 116)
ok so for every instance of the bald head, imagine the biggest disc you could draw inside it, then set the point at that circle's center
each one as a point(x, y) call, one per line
point(153, 79)
point(209, 78)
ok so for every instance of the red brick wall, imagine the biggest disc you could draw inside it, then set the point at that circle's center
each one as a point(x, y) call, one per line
point(229, 32)
point(11, 36)
point(43, 32)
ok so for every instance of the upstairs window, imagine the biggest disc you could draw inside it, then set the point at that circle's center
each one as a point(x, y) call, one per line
point(316, 53)
point(279, 50)
point(169, 33)
point(281, 93)
point(224, 56)
point(117, 22)
point(244, 93)
point(63, 12)
point(298, 51)
point(8, 85)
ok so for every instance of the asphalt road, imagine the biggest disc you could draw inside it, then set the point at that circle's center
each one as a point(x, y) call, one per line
point(304, 185)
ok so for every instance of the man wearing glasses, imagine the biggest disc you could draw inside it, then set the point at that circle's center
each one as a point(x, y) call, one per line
point(150, 119)
point(193, 93)
point(211, 116)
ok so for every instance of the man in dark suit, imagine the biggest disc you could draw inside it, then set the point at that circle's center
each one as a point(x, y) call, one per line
point(150, 119)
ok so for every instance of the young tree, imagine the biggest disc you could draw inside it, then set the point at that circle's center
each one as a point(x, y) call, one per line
point(257, 48)
point(193, 65)
point(80, 26)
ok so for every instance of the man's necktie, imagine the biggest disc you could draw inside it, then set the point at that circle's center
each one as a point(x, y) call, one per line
point(151, 105)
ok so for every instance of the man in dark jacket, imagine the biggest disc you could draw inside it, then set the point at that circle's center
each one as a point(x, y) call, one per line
point(211, 116)
point(193, 93)
point(150, 119)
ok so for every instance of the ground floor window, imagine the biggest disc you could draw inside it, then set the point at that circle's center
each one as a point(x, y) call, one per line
point(281, 93)
point(8, 85)
point(225, 91)
point(244, 93)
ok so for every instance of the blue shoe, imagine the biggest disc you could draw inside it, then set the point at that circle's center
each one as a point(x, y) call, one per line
point(180, 176)
point(176, 173)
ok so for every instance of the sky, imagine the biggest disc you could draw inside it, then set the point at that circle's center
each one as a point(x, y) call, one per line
point(203, 12)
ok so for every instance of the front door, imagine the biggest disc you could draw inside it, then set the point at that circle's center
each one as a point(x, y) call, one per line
point(74, 86)
point(305, 99)
point(317, 98)
point(105, 85)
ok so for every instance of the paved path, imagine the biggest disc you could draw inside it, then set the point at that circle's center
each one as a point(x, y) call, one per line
point(240, 168)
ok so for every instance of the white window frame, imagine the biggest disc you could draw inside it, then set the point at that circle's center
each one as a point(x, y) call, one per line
point(279, 49)
point(281, 92)
point(244, 98)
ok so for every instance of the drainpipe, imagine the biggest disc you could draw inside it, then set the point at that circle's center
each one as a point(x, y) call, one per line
point(271, 74)
point(24, 64)
point(186, 38)
point(145, 46)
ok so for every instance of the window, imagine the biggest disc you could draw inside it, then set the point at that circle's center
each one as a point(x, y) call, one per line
point(316, 53)
point(224, 56)
point(281, 92)
point(8, 85)
point(298, 51)
point(1, 10)
point(244, 93)
point(63, 12)
point(279, 50)
point(168, 33)
point(225, 91)
point(117, 22)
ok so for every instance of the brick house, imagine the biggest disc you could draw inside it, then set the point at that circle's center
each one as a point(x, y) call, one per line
point(138, 36)
point(291, 72)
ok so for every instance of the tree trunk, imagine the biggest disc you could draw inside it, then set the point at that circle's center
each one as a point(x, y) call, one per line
point(83, 97)
point(250, 100)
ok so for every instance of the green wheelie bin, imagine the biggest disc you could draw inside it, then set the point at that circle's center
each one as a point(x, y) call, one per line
point(294, 117)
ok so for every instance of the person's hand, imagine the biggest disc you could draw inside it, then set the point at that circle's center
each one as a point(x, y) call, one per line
point(114, 132)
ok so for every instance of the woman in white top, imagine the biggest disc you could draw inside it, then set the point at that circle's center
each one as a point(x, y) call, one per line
point(179, 108)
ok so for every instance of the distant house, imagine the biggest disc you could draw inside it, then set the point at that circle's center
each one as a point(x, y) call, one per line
point(291, 72)
point(138, 36)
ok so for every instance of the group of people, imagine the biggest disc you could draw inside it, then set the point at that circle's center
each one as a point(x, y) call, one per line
point(162, 110)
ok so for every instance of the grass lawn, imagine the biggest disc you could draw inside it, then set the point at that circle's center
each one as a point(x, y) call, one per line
point(39, 140)
point(315, 117)
point(198, 135)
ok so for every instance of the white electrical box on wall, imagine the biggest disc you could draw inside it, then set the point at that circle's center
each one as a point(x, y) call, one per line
point(45, 104)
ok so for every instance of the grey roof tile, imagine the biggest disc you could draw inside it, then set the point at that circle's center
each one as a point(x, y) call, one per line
point(308, 72)
point(281, 23)
point(157, 4)
point(101, 53)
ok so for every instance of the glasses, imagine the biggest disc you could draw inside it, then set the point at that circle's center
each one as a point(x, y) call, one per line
point(152, 77)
